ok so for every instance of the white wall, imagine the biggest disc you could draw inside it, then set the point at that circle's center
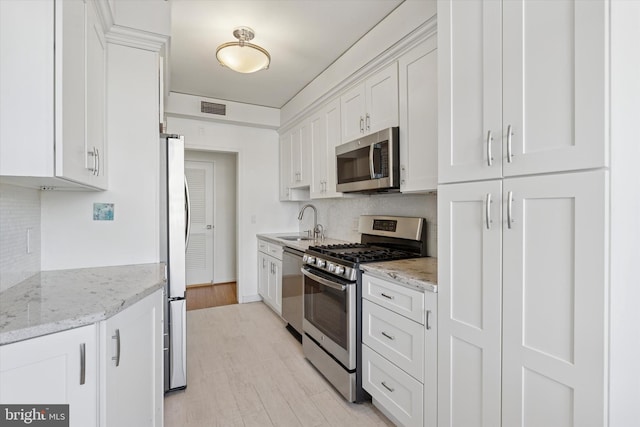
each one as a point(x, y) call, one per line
point(258, 207)
point(224, 216)
point(70, 237)
point(19, 211)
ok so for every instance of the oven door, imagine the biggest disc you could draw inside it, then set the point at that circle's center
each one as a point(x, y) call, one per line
point(330, 315)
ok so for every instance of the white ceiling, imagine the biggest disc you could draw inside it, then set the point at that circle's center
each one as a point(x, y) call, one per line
point(303, 38)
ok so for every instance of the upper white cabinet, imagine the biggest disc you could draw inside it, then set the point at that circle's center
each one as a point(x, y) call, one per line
point(418, 79)
point(132, 366)
point(295, 162)
point(514, 103)
point(371, 105)
point(52, 113)
point(325, 135)
point(60, 368)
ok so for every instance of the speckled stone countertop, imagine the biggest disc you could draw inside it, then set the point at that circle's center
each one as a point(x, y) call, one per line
point(301, 245)
point(420, 273)
point(53, 301)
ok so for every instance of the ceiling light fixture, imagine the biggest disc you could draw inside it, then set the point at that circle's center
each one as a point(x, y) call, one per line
point(242, 56)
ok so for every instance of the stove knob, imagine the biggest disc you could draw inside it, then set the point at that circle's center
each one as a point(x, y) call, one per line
point(304, 258)
point(332, 267)
point(339, 270)
point(311, 260)
point(321, 263)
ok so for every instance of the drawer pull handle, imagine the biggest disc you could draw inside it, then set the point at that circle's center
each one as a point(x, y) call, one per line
point(387, 296)
point(391, 337)
point(387, 387)
point(428, 316)
point(83, 363)
point(116, 337)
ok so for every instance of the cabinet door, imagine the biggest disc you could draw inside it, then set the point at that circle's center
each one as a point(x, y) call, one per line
point(95, 154)
point(381, 95)
point(285, 166)
point(263, 274)
point(555, 94)
point(469, 90)
point(320, 155)
point(60, 368)
point(554, 301)
point(332, 134)
point(274, 286)
point(418, 77)
point(352, 109)
point(132, 389)
point(469, 304)
point(305, 154)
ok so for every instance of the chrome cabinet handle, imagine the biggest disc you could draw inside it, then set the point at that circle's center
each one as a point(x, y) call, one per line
point(387, 296)
point(117, 356)
point(488, 211)
point(187, 211)
point(427, 322)
point(509, 152)
point(510, 220)
point(97, 160)
point(387, 387)
point(361, 124)
point(368, 122)
point(489, 142)
point(391, 337)
point(83, 363)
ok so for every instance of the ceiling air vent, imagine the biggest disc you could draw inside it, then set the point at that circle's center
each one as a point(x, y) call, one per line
point(213, 108)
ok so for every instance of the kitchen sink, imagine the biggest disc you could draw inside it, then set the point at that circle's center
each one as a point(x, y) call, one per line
point(295, 238)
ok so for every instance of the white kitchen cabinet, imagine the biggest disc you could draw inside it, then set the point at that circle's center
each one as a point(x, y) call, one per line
point(270, 274)
point(399, 351)
point(295, 163)
point(132, 388)
point(522, 326)
point(372, 105)
point(418, 82)
point(52, 111)
point(60, 368)
point(325, 135)
point(511, 102)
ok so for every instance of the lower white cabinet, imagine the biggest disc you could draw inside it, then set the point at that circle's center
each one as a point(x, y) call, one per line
point(109, 373)
point(60, 368)
point(270, 274)
point(399, 364)
point(132, 387)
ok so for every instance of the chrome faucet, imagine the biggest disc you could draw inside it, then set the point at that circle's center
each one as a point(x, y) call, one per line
point(318, 231)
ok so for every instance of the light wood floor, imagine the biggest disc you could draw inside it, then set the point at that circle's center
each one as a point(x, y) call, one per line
point(245, 369)
point(205, 296)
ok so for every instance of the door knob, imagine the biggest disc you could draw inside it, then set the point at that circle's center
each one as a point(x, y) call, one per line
point(209, 227)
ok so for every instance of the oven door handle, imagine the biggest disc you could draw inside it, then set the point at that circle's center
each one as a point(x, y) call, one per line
point(323, 281)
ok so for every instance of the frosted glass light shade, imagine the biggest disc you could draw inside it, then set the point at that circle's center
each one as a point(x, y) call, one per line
point(248, 58)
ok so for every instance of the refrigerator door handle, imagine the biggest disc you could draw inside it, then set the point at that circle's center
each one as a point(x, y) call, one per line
point(178, 345)
point(187, 210)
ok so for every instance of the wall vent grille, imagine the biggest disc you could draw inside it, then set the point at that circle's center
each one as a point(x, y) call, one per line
point(213, 108)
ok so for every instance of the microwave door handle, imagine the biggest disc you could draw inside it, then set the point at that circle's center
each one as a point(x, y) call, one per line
point(372, 167)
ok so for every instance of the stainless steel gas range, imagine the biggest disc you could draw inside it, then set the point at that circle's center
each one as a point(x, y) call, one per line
point(333, 294)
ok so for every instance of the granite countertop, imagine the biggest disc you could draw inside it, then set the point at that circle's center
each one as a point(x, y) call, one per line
point(54, 301)
point(420, 273)
point(301, 245)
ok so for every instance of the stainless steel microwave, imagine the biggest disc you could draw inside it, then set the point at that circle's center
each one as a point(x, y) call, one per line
point(369, 164)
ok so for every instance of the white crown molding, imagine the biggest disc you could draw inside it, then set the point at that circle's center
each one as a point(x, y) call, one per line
point(424, 31)
point(135, 38)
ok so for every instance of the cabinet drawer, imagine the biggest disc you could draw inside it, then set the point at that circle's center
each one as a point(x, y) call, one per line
point(263, 246)
point(397, 298)
point(395, 337)
point(393, 389)
point(275, 251)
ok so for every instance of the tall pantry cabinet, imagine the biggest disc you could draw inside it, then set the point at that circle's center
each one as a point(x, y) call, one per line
point(524, 203)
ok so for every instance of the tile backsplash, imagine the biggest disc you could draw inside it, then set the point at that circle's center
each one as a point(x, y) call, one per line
point(19, 212)
point(339, 217)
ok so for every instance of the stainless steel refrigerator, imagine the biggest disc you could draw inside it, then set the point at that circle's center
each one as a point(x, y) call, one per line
point(174, 238)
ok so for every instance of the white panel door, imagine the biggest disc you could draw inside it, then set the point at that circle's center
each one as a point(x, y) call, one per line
point(469, 304)
point(418, 78)
point(381, 96)
point(352, 108)
point(470, 90)
point(319, 153)
point(200, 254)
point(555, 296)
point(555, 91)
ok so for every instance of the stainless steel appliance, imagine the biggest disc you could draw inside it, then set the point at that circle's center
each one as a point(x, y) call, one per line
point(292, 290)
point(369, 164)
point(333, 294)
point(174, 236)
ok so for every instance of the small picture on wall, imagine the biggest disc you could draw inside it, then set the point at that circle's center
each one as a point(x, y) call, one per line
point(103, 211)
